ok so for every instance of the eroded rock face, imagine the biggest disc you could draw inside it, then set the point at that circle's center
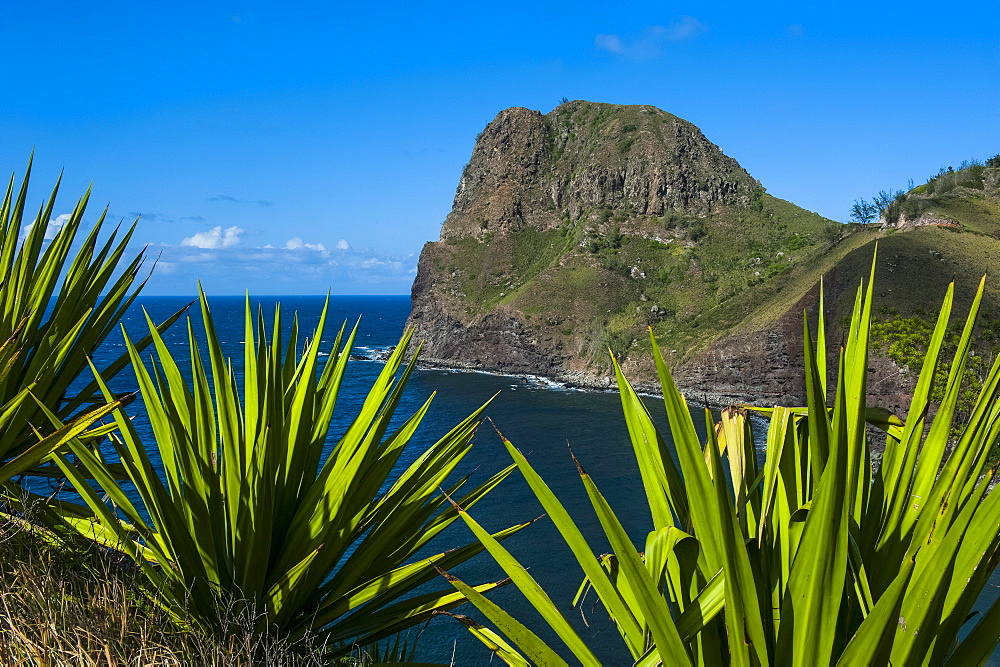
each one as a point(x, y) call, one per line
point(497, 341)
point(498, 187)
point(762, 368)
point(765, 368)
point(534, 170)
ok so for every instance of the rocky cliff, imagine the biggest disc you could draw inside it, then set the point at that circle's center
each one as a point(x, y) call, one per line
point(577, 231)
point(530, 171)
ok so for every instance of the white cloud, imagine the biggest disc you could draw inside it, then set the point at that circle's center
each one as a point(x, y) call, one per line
point(298, 244)
point(293, 267)
point(200, 257)
point(52, 228)
point(647, 43)
point(612, 43)
point(343, 245)
point(685, 28)
point(217, 237)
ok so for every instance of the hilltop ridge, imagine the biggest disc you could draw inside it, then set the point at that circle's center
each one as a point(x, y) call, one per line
point(530, 170)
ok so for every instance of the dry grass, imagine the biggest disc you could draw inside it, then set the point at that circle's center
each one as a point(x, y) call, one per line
point(84, 606)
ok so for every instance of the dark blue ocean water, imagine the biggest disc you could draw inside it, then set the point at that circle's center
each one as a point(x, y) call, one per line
point(540, 420)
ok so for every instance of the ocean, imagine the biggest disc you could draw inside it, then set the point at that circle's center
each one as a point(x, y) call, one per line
point(543, 420)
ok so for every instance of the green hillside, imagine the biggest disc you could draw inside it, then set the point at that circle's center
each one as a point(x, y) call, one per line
point(947, 228)
point(593, 290)
point(955, 236)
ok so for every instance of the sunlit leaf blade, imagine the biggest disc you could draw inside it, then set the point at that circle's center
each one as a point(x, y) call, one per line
point(493, 641)
point(610, 596)
point(528, 641)
point(649, 600)
point(534, 593)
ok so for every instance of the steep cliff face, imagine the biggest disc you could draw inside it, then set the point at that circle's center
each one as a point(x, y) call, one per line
point(581, 230)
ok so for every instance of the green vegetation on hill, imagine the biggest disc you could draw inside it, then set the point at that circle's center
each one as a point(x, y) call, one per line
point(744, 268)
point(594, 285)
point(969, 196)
point(906, 340)
point(949, 227)
point(919, 262)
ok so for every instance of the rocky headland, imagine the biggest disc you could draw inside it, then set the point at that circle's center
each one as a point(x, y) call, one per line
point(578, 231)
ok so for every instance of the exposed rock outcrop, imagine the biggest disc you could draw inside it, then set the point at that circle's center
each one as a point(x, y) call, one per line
point(529, 170)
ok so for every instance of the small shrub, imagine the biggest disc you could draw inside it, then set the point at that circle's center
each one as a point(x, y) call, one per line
point(697, 231)
point(625, 145)
point(796, 242)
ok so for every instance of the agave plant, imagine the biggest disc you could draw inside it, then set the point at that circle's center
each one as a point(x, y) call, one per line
point(258, 513)
point(56, 308)
point(814, 558)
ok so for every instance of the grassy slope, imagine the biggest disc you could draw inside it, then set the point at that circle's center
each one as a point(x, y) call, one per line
point(589, 293)
point(914, 269)
point(82, 605)
point(774, 300)
point(918, 263)
point(972, 210)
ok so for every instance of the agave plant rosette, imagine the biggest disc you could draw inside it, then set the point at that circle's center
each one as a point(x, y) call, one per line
point(59, 301)
point(257, 512)
point(815, 557)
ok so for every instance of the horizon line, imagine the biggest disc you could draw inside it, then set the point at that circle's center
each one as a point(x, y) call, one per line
point(253, 296)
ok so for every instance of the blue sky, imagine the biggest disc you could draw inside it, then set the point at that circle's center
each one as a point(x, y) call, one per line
point(297, 147)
